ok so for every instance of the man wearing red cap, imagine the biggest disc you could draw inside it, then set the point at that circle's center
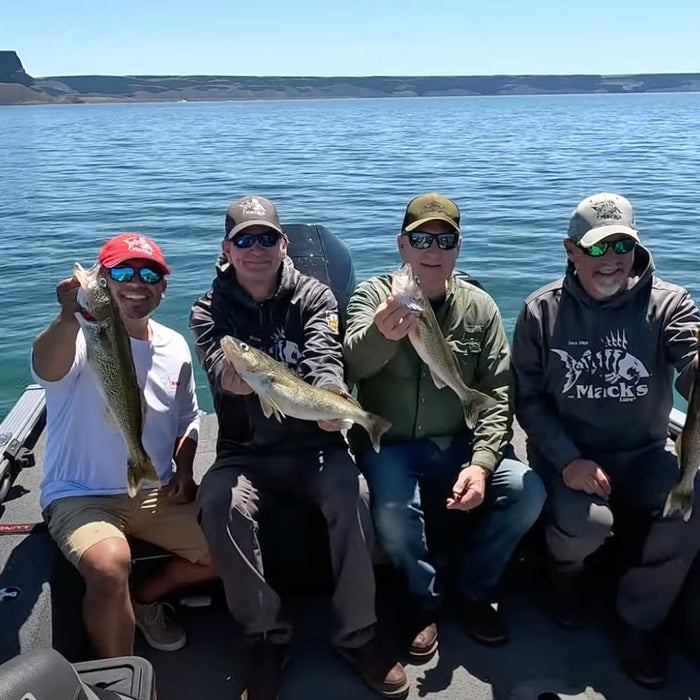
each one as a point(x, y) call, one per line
point(260, 298)
point(84, 490)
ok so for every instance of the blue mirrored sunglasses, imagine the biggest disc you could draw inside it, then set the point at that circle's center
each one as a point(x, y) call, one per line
point(246, 240)
point(423, 240)
point(621, 247)
point(125, 274)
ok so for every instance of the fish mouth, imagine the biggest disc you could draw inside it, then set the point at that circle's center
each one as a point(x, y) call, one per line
point(87, 315)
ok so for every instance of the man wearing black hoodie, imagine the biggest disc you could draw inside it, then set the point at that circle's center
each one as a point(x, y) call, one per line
point(260, 298)
point(593, 359)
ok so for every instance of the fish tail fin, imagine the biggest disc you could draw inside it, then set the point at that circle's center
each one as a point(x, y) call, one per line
point(376, 427)
point(679, 500)
point(474, 405)
point(139, 471)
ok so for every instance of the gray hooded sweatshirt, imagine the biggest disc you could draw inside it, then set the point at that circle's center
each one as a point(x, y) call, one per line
point(594, 378)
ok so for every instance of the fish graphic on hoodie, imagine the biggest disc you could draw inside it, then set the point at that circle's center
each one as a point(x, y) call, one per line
point(610, 372)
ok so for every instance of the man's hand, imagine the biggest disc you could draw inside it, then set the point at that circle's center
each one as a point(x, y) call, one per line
point(587, 476)
point(181, 489)
point(67, 295)
point(393, 320)
point(232, 383)
point(469, 489)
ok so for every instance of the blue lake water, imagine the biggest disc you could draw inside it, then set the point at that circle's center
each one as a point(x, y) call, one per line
point(73, 175)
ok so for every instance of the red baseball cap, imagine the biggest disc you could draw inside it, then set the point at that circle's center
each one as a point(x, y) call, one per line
point(127, 246)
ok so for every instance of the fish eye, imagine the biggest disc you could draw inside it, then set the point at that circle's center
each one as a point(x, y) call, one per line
point(102, 282)
point(244, 347)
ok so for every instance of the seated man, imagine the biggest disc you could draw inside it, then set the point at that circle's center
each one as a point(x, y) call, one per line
point(84, 490)
point(593, 357)
point(260, 298)
point(432, 470)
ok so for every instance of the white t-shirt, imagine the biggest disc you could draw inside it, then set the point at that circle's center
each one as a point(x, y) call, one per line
point(86, 454)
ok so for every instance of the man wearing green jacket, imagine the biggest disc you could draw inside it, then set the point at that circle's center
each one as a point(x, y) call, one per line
point(432, 470)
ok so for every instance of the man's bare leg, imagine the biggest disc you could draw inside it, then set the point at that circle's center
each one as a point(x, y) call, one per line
point(107, 609)
point(177, 573)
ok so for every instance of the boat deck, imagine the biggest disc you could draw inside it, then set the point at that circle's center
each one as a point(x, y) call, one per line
point(541, 662)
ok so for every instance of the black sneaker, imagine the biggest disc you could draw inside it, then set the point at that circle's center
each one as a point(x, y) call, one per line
point(482, 622)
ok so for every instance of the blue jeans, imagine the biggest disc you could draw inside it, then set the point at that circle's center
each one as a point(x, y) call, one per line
point(409, 483)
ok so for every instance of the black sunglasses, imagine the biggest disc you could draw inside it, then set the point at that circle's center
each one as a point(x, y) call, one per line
point(423, 240)
point(621, 247)
point(125, 274)
point(266, 240)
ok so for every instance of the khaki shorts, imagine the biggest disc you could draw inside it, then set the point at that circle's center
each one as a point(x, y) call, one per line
point(77, 522)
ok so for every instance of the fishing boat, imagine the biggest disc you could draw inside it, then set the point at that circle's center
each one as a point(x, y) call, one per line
point(43, 642)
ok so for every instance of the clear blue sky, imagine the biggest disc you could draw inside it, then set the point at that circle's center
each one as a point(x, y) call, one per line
point(352, 37)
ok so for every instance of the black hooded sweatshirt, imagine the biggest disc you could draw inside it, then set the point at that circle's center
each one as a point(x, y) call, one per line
point(298, 326)
point(594, 378)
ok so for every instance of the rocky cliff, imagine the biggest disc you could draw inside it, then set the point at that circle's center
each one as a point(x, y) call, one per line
point(12, 70)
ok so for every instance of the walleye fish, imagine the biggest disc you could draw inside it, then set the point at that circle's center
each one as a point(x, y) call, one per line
point(282, 393)
point(680, 497)
point(430, 345)
point(109, 356)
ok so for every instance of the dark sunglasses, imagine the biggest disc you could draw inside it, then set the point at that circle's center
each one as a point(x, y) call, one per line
point(423, 240)
point(126, 274)
point(621, 247)
point(246, 240)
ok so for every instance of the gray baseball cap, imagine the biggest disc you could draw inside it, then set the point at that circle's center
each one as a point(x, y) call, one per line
point(251, 211)
point(600, 216)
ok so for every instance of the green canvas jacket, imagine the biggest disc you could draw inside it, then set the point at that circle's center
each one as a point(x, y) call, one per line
point(394, 382)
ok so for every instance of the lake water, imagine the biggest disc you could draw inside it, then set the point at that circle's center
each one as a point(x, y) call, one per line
point(73, 175)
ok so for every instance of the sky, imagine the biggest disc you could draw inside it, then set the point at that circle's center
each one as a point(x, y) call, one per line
point(351, 37)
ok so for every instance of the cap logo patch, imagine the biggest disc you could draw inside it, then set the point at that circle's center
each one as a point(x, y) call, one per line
point(607, 210)
point(332, 320)
point(252, 207)
point(139, 244)
point(434, 208)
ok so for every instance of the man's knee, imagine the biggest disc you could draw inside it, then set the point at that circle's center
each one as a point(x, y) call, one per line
point(525, 495)
point(221, 500)
point(396, 526)
point(578, 532)
point(105, 567)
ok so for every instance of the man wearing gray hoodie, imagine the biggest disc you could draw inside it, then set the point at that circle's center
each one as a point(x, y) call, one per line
point(593, 360)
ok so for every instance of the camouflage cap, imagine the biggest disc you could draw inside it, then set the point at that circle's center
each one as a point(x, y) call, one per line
point(251, 211)
point(600, 216)
point(430, 207)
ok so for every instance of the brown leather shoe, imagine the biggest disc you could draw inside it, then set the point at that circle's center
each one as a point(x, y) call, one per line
point(422, 635)
point(482, 622)
point(380, 671)
point(643, 656)
point(267, 661)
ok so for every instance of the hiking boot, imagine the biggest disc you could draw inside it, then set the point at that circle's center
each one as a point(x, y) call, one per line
point(567, 599)
point(267, 661)
point(422, 635)
point(159, 627)
point(381, 672)
point(643, 656)
point(482, 622)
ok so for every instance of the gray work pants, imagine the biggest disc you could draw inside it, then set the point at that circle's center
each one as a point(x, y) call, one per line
point(579, 523)
point(230, 499)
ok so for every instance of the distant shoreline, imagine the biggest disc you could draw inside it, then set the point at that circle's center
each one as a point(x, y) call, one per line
point(93, 89)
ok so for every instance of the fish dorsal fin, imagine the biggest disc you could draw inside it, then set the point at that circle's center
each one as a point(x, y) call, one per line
point(344, 394)
point(270, 408)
